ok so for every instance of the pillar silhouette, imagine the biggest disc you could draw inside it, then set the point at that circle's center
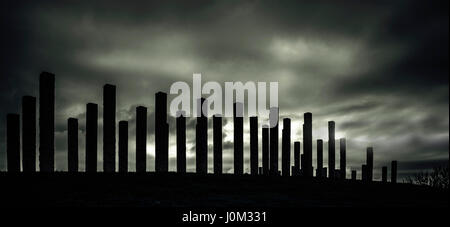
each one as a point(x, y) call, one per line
point(238, 119)
point(181, 142)
point(296, 169)
point(72, 145)
point(47, 122)
point(302, 164)
point(109, 128)
point(274, 116)
point(141, 139)
point(13, 142)
point(353, 175)
point(286, 148)
point(254, 145)
point(29, 134)
point(123, 146)
point(369, 163)
point(91, 137)
point(343, 158)
point(161, 133)
point(319, 171)
point(364, 172)
point(217, 143)
point(384, 174)
point(324, 172)
point(394, 172)
point(201, 147)
point(265, 149)
point(331, 150)
point(307, 144)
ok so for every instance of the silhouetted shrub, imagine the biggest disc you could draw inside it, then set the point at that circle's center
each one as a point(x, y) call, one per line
point(438, 178)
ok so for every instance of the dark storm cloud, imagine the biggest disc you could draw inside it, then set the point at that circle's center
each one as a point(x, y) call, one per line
point(379, 69)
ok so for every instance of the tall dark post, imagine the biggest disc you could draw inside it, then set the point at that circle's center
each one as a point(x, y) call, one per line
point(343, 158)
point(286, 148)
point(296, 158)
point(238, 118)
point(109, 128)
point(141, 139)
point(394, 172)
point(331, 150)
point(364, 173)
point(353, 175)
point(254, 145)
point(302, 164)
point(47, 122)
point(201, 147)
point(13, 142)
point(384, 174)
point(307, 144)
point(181, 142)
point(319, 172)
point(123, 146)
point(29, 134)
point(274, 116)
point(369, 163)
point(265, 149)
point(72, 144)
point(91, 137)
point(161, 133)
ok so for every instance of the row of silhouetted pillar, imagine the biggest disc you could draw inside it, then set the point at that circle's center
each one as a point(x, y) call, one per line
point(302, 162)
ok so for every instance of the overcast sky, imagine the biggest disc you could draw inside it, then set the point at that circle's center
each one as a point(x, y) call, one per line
point(380, 70)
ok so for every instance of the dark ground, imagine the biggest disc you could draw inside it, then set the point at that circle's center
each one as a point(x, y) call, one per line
point(190, 190)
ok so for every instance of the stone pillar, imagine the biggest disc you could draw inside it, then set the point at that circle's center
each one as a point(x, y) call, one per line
point(331, 149)
point(109, 128)
point(369, 163)
point(274, 115)
point(181, 142)
point(319, 172)
point(141, 139)
point(123, 146)
point(343, 158)
point(286, 148)
point(29, 134)
point(201, 146)
point(307, 144)
point(161, 133)
point(254, 145)
point(394, 172)
point(72, 144)
point(265, 149)
point(364, 172)
point(296, 168)
point(217, 143)
point(238, 118)
point(91, 137)
point(47, 122)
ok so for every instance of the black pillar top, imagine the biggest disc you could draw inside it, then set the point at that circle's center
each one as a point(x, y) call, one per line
point(307, 117)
